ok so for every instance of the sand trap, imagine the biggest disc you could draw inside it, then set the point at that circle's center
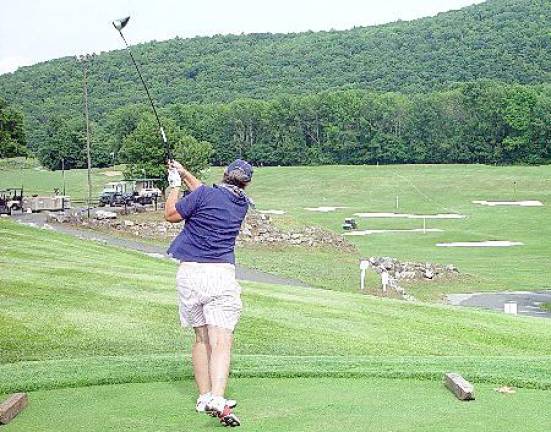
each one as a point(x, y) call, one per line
point(112, 173)
point(490, 243)
point(410, 216)
point(370, 232)
point(510, 203)
point(272, 212)
point(323, 209)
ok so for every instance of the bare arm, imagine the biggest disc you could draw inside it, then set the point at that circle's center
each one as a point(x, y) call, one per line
point(171, 214)
point(191, 182)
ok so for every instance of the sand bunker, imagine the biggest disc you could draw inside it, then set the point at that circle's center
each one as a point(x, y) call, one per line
point(272, 212)
point(112, 173)
point(490, 243)
point(323, 209)
point(410, 216)
point(510, 203)
point(370, 232)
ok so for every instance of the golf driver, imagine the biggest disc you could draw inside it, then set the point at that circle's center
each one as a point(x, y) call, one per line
point(119, 25)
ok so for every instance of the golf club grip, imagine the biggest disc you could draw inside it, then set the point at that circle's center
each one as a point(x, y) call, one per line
point(167, 145)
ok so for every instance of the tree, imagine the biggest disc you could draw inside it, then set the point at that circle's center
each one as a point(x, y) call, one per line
point(12, 135)
point(64, 140)
point(145, 154)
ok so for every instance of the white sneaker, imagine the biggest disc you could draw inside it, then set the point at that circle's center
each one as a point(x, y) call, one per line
point(202, 402)
point(220, 407)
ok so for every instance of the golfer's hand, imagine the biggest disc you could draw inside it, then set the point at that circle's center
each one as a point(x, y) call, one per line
point(174, 179)
point(176, 166)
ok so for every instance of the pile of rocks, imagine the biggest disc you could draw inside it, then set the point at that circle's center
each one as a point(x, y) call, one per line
point(399, 271)
point(256, 229)
point(411, 270)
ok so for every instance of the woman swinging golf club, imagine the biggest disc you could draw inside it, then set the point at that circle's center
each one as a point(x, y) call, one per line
point(209, 295)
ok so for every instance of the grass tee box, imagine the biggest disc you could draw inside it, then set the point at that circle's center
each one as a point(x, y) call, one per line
point(283, 404)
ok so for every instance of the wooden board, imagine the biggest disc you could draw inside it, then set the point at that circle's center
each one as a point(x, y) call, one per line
point(12, 406)
point(459, 386)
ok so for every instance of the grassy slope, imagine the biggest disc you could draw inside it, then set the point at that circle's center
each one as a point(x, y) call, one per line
point(279, 405)
point(427, 189)
point(85, 313)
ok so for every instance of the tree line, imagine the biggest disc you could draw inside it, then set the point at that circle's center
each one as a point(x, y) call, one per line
point(479, 122)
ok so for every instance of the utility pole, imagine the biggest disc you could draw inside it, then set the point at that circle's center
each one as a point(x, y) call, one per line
point(84, 60)
point(63, 173)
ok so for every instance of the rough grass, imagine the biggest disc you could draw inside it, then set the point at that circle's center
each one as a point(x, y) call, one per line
point(288, 405)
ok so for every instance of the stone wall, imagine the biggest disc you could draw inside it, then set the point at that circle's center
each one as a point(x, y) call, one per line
point(256, 229)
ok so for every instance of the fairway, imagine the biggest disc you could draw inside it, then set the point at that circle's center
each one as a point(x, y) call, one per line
point(421, 189)
point(288, 405)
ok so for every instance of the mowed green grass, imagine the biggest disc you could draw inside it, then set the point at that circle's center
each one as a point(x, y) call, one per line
point(76, 314)
point(66, 299)
point(425, 189)
point(43, 182)
point(368, 404)
point(421, 189)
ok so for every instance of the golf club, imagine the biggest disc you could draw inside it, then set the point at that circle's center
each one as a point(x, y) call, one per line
point(119, 24)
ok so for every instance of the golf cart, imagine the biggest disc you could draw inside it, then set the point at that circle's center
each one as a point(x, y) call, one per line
point(145, 191)
point(11, 199)
point(116, 194)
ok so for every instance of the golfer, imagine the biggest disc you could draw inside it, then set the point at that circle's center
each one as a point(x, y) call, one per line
point(209, 295)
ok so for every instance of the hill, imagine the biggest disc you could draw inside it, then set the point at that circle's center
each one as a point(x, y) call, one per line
point(505, 40)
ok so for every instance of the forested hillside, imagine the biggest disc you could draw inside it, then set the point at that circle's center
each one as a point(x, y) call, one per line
point(505, 40)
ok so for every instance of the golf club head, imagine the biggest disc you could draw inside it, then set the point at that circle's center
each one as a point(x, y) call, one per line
point(120, 23)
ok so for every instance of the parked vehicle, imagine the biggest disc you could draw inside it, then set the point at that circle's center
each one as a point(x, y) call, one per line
point(11, 199)
point(141, 191)
point(52, 203)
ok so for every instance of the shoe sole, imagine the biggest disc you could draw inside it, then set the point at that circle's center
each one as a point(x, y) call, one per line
point(230, 421)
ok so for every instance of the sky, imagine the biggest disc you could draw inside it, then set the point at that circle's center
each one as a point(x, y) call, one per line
point(33, 31)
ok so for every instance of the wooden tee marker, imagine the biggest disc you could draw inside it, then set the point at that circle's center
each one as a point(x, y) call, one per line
point(12, 406)
point(459, 386)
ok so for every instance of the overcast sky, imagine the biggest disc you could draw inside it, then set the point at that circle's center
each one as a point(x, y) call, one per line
point(32, 31)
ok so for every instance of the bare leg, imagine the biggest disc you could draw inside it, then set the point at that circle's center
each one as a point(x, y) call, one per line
point(200, 354)
point(219, 367)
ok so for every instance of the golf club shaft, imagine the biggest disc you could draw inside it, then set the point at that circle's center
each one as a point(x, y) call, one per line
point(161, 129)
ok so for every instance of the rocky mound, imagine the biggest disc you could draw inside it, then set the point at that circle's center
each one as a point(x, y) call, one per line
point(256, 229)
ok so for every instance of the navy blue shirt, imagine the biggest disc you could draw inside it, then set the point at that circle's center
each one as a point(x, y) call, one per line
point(213, 217)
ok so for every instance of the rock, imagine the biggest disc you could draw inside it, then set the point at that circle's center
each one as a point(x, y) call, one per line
point(128, 223)
point(103, 214)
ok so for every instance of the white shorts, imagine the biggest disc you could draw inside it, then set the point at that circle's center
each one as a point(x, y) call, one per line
point(208, 295)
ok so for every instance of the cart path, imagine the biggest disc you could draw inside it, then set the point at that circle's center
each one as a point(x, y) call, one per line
point(528, 301)
point(242, 273)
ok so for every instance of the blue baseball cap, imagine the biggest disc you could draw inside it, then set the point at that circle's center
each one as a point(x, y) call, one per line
point(245, 169)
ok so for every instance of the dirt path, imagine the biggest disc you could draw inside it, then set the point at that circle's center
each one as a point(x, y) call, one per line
point(242, 273)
